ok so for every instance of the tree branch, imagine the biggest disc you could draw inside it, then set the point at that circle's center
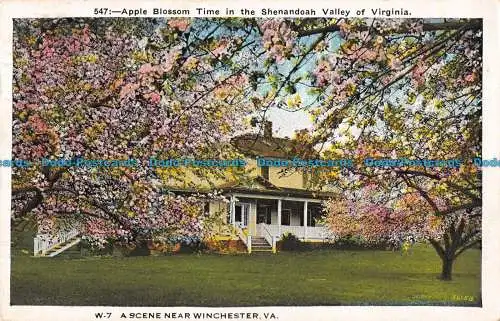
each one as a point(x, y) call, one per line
point(465, 248)
point(470, 25)
point(438, 248)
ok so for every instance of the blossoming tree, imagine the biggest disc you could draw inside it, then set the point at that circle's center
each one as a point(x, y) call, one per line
point(392, 89)
point(96, 89)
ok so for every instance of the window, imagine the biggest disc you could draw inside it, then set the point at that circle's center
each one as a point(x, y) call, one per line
point(264, 172)
point(285, 216)
point(264, 215)
point(313, 216)
point(242, 212)
point(237, 213)
point(245, 213)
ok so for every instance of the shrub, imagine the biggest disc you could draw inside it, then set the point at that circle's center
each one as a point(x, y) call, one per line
point(141, 249)
point(224, 246)
point(353, 242)
point(175, 244)
point(290, 242)
point(88, 248)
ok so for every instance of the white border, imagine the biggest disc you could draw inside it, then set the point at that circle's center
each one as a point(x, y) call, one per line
point(491, 118)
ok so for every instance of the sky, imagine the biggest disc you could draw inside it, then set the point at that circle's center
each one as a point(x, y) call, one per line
point(286, 122)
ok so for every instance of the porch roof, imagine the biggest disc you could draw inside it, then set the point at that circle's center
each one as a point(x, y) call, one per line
point(281, 192)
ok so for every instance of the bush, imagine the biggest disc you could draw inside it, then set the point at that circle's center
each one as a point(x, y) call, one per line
point(192, 245)
point(290, 242)
point(358, 243)
point(176, 244)
point(224, 246)
point(89, 249)
point(144, 247)
point(141, 249)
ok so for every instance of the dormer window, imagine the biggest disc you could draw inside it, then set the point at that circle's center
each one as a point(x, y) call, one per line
point(264, 172)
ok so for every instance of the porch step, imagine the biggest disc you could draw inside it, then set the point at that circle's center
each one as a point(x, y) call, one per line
point(259, 241)
point(260, 245)
point(61, 247)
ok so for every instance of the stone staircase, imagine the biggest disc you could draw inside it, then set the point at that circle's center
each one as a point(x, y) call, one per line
point(260, 245)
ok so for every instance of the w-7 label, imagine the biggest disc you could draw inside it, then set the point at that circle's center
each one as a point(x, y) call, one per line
point(190, 315)
point(103, 315)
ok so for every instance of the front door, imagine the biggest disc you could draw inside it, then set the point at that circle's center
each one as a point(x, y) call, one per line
point(242, 213)
point(264, 215)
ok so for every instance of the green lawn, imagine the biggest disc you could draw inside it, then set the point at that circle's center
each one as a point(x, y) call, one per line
point(322, 277)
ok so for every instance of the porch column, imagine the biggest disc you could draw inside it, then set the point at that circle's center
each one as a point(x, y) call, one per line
point(232, 210)
point(305, 220)
point(279, 218)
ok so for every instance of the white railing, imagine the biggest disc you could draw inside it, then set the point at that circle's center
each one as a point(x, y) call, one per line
point(270, 238)
point(42, 243)
point(247, 239)
point(302, 232)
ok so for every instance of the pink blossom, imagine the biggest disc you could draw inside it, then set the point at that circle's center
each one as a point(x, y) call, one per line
point(128, 89)
point(153, 97)
point(278, 38)
point(146, 68)
point(418, 73)
point(395, 64)
point(322, 73)
point(38, 124)
point(470, 77)
point(170, 59)
point(222, 48)
point(180, 24)
point(368, 55)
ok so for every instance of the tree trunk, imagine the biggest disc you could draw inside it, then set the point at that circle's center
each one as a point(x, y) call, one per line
point(447, 268)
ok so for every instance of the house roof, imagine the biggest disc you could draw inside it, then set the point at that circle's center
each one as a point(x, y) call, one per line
point(256, 182)
point(266, 145)
point(256, 145)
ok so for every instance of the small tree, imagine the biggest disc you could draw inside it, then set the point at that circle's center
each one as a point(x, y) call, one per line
point(376, 217)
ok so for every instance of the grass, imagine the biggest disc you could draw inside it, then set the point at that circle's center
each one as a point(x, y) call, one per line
point(322, 277)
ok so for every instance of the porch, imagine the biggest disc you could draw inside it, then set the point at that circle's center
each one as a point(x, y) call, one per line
point(305, 233)
point(269, 217)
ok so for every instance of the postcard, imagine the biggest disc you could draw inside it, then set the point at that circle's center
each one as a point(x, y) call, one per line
point(220, 160)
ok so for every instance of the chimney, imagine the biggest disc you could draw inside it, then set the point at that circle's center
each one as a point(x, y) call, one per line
point(268, 129)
